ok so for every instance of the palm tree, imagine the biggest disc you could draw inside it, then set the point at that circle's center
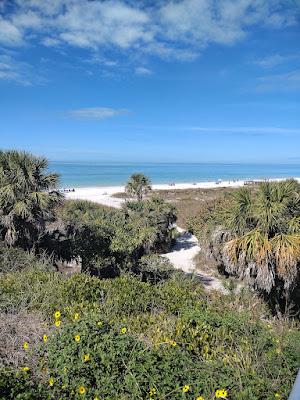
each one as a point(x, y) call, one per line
point(264, 229)
point(138, 186)
point(27, 197)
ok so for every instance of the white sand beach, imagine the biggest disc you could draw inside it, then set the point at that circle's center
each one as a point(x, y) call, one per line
point(103, 194)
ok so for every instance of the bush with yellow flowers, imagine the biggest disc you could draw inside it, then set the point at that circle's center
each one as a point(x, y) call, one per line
point(128, 339)
point(90, 357)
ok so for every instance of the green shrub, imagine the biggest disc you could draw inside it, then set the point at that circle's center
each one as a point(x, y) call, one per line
point(46, 292)
point(154, 269)
point(175, 335)
point(18, 384)
point(16, 259)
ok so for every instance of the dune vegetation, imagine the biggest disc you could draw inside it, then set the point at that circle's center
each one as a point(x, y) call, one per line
point(90, 310)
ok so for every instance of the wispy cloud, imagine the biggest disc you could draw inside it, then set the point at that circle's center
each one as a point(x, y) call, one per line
point(279, 82)
point(270, 61)
point(273, 60)
point(246, 130)
point(143, 71)
point(96, 113)
point(15, 71)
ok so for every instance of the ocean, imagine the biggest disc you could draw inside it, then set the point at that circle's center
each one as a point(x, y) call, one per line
point(89, 174)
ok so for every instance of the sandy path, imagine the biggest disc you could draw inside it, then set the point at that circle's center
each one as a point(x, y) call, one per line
point(182, 257)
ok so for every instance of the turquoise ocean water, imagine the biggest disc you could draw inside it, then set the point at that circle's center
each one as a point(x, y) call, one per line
point(87, 174)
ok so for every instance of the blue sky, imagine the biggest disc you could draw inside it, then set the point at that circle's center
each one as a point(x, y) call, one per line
point(173, 81)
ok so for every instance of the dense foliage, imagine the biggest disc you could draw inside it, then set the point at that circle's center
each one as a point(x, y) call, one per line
point(255, 235)
point(109, 240)
point(128, 339)
point(27, 198)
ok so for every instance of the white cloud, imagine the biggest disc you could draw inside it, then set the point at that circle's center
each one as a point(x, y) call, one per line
point(167, 29)
point(9, 33)
point(270, 61)
point(96, 113)
point(276, 59)
point(143, 71)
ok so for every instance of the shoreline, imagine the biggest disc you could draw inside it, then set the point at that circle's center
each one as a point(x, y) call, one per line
point(103, 194)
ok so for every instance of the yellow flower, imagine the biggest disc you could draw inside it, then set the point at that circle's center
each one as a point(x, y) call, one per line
point(99, 323)
point(45, 338)
point(57, 314)
point(221, 394)
point(200, 398)
point(57, 323)
point(76, 316)
point(86, 357)
point(185, 388)
point(77, 338)
point(96, 398)
point(152, 392)
point(26, 369)
point(51, 382)
point(82, 390)
point(26, 345)
point(277, 396)
point(123, 330)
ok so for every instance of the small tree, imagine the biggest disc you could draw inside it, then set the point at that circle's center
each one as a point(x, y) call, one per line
point(28, 198)
point(138, 186)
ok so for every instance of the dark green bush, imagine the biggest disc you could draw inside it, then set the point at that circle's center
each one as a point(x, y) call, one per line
point(18, 384)
point(154, 269)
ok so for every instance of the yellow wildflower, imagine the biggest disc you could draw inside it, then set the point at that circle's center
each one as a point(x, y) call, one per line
point(185, 388)
point(152, 392)
point(277, 396)
point(96, 398)
point(77, 338)
point(76, 316)
point(45, 338)
point(63, 387)
point(221, 394)
point(99, 323)
point(82, 390)
point(51, 382)
point(25, 369)
point(57, 314)
point(57, 323)
point(172, 343)
point(123, 330)
point(86, 357)
point(200, 398)
point(26, 345)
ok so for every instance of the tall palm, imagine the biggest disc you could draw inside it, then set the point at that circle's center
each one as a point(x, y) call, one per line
point(265, 234)
point(138, 185)
point(27, 197)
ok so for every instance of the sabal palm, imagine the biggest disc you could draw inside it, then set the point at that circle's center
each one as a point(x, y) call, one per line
point(138, 186)
point(265, 228)
point(27, 197)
